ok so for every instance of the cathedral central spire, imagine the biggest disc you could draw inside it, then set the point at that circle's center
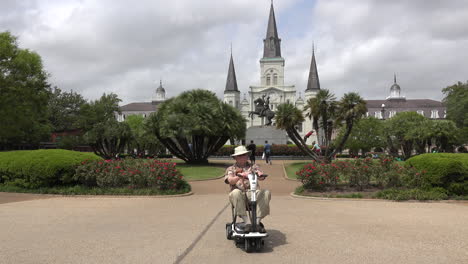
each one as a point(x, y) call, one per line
point(231, 82)
point(271, 44)
point(313, 83)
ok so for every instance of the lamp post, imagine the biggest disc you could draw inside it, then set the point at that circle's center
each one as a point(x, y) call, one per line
point(383, 111)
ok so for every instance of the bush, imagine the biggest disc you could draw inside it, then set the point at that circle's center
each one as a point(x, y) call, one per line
point(131, 173)
point(447, 170)
point(40, 168)
point(413, 194)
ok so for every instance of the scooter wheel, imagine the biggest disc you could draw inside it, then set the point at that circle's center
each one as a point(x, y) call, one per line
point(248, 246)
point(228, 232)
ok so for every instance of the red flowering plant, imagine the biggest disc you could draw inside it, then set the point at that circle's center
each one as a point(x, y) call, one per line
point(131, 173)
point(319, 176)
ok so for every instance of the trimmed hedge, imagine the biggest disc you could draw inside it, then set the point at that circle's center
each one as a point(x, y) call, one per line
point(276, 150)
point(447, 170)
point(40, 168)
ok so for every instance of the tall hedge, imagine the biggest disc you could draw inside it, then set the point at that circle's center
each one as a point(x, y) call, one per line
point(40, 168)
point(447, 170)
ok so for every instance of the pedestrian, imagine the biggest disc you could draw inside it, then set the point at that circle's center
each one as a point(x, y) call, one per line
point(267, 152)
point(252, 148)
point(237, 178)
point(316, 148)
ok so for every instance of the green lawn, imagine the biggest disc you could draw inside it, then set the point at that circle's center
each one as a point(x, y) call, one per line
point(292, 168)
point(200, 172)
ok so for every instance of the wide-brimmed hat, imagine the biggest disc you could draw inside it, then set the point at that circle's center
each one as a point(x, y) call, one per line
point(240, 150)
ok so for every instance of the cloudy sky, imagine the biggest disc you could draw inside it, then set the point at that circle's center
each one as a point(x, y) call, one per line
point(126, 47)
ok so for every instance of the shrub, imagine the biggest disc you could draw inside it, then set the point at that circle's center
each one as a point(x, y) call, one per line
point(447, 170)
point(413, 194)
point(131, 173)
point(277, 150)
point(40, 168)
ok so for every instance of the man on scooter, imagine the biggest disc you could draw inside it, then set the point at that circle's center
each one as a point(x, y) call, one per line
point(237, 177)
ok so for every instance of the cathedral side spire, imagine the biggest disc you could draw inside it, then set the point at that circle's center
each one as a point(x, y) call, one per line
point(231, 82)
point(313, 82)
point(271, 43)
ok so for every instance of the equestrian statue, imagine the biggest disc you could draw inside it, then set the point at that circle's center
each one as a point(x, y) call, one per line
point(262, 109)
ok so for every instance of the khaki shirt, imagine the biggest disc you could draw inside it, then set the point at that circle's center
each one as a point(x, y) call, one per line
point(242, 184)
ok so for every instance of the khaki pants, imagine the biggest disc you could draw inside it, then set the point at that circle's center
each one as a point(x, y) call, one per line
point(237, 199)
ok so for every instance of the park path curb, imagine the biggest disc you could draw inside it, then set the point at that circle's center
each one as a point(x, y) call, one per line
point(108, 195)
point(374, 200)
point(285, 175)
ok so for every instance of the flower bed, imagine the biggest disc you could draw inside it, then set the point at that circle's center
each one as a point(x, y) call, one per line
point(131, 173)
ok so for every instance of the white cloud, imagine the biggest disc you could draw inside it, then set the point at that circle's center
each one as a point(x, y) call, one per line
point(125, 47)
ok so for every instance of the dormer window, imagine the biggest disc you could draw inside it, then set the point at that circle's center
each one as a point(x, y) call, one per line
point(268, 79)
point(421, 112)
point(435, 114)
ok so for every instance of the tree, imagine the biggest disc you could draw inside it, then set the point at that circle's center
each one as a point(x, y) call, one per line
point(456, 101)
point(326, 115)
point(64, 109)
point(445, 135)
point(404, 130)
point(143, 141)
point(195, 124)
point(366, 135)
point(99, 111)
point(24, 94)
point(109, 138)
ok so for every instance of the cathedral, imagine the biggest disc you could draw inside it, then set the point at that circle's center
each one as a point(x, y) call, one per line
point(272, 88)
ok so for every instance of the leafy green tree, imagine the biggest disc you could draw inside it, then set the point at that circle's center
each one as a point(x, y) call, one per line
point(366, 135)
point(456, 101)
point(99, 111)
point(24, 94)
point(109, 138)
point(445, 135)
point(143, 141)
point(326, 115)
point(64, 109)
point(196, 124)
point(404, 130)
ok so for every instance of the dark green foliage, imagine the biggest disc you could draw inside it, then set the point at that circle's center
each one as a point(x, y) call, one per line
point(277, 150)
point(70, 142)
point(447, 170)
point(413, 194)
point(143, 142)
point(64, 110)
point(368, 133)
point(196, 124)
point(24, 94)
point(456, 100)
point(109, 138)
point(40, 168)
point(98, 111)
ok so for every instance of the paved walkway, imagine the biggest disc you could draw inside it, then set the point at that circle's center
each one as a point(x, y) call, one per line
point(191, 229)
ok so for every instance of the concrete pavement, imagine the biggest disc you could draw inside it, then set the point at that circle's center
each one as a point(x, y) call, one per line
point(191, 229)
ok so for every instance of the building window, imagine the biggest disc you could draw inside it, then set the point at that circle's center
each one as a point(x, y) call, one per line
point(421, 112)
point(378, 114)
point(275, 79)
point(268, 79)
point(445, 113)
point(392, 114)
point(299, 128)
point(367, 114)
point(435, 114)
point(230, 103)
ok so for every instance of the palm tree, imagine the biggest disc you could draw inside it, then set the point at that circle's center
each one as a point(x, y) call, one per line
point(287, 118)
point(350, 109)
point(320, 109)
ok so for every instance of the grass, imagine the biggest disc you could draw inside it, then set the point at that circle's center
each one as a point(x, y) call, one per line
point(83, 190)
point(200, 172)
point(292, 168)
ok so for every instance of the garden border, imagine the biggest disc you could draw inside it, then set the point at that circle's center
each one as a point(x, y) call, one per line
point(375, 200)
point(210, 179)
point(109, 195)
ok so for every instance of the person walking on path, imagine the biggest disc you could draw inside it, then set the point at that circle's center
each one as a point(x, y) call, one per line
point(237, 178)
point(267, 152)
point(252, 148)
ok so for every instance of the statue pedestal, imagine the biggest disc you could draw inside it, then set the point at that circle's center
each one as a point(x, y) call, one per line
point(261, 133)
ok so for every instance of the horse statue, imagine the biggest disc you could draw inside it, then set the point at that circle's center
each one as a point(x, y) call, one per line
point(262, 109)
